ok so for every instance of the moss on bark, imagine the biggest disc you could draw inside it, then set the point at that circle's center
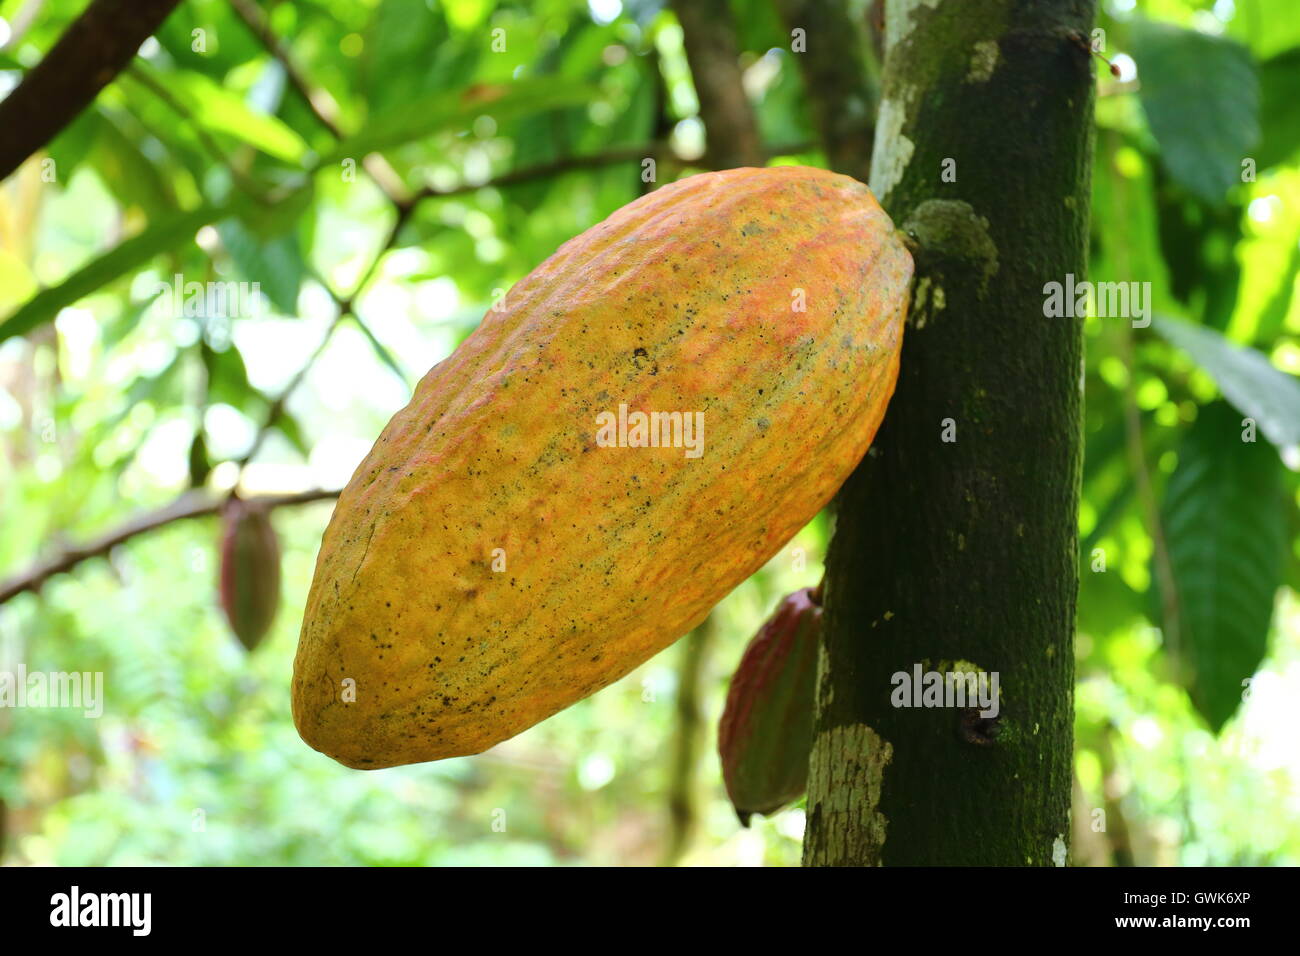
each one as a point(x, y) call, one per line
point(965, 549)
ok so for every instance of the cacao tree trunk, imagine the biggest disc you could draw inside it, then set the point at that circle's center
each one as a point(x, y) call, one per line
point(956, 538)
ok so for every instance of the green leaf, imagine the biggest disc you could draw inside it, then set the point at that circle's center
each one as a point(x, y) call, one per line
point(1196, 241)
point(1272, 318)
point(1266, 26)
point(117, 262)
point(289, 427)
point(1101, 447)
point(281, 217)
point(403, 42)
point(442, 111)
point(1222, 520)
point(384, 355)
point(1201, 98)
point(131, 177)
point(1107, 604)
point(132, 254)
point(276, 265)
point(1279, 111)
point(221, 111)
point(1246, 377)
point(228, 380)
point(1106, 517)
point(75, 142)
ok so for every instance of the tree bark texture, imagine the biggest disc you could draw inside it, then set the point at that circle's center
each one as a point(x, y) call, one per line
point(955, 544)
point(93, 50)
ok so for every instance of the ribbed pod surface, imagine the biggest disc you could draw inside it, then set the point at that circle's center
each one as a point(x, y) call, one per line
point(492, 561)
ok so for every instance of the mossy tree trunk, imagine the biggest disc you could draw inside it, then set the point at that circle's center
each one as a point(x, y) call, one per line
point(956, 538)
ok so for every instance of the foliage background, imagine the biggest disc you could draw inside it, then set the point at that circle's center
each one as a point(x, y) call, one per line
point(215, 168)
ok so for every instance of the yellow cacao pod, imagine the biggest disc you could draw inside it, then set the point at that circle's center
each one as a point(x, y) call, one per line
point(519, 537)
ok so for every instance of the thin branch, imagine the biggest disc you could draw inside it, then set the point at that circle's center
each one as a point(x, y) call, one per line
point(404, 211)
point(568, 164)
point(246, 183)
point(683, 801)
point(555, 167)
point(192, 504)
point(1169, 600)
point(1171, 615)
point(321, 105)
point(278, 403)
point(662, 129)
point(93, 50)
point(318, 102)
point(346, 306)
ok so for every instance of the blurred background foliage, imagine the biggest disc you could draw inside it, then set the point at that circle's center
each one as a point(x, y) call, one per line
point(384, 170)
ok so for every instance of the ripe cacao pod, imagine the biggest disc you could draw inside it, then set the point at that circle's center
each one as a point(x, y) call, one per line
point(494, 559)
point(765, 735)
point(250, 571)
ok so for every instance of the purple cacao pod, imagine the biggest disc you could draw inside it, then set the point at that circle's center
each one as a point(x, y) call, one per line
point(765, 735)
point(250, 571)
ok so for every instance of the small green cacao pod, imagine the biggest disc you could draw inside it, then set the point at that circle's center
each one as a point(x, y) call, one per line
point(250, 571)
point(765, 734)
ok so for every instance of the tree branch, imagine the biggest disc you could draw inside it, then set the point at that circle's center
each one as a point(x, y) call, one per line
point(213, 148)
point(347, 307)
point(683, 802)
point(321, 106)
point(192, 504)
point(567, 164)
point(838, 85)
point(730, 127)
point(93, 50)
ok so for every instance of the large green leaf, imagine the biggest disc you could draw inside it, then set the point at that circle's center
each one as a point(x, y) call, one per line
point(221, 111)
point(1266, 26)
point(75, 143)
point(1223, 526)
point(276, 265)
point(1247, 378)
point(443, 111)
point(117, 262)
point(1279, 86)
point(159, 237)
point(403, 41)
point(1196, 240)
point(129, 174)
point(228, 381)
point(1201, 98)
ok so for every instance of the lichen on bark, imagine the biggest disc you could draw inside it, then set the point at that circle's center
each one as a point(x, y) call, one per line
point(965, 549)
point(848, 765)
